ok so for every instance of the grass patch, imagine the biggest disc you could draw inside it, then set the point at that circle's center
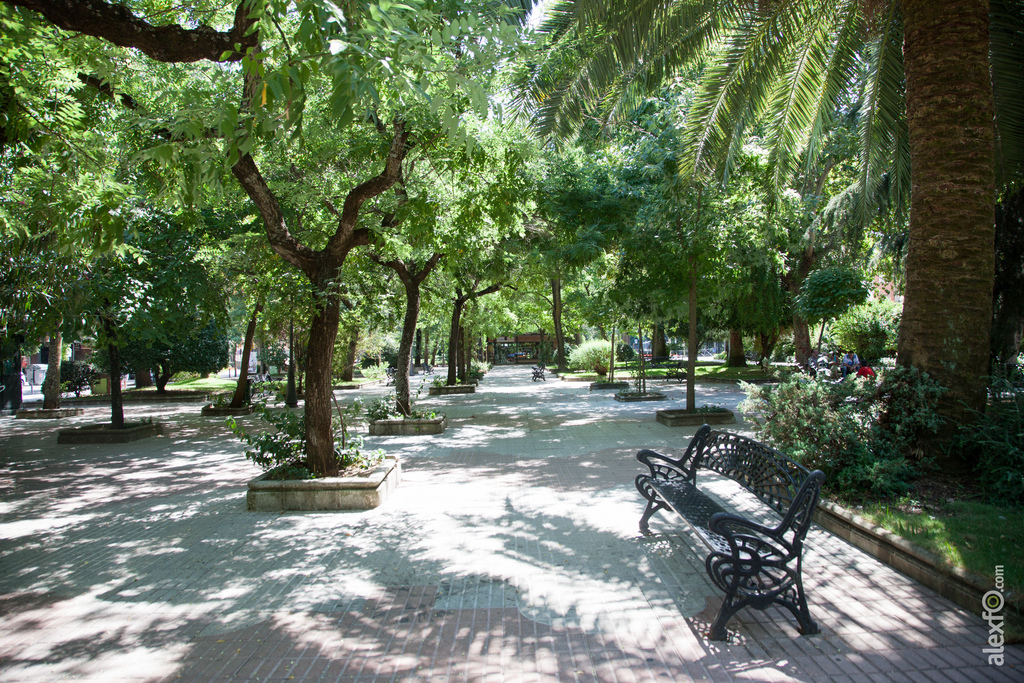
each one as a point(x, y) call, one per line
point(192, 386)
point(705, 370)
point(967, 534)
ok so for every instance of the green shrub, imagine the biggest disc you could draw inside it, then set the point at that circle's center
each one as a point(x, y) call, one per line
point(375, 371)
point(75, 375)
point(591, 356)
point(184, 376)
point(871, 330)
point(995, 441)
point(858, 432)
point(282, 450)
point(384, 408)
point(625, 353)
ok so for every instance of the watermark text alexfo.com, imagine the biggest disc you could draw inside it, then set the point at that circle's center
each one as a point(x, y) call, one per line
point(992, 612)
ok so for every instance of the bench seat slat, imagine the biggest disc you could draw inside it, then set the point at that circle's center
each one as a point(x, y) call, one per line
point(694, 506)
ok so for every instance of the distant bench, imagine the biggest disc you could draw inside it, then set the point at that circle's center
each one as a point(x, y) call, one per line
point(754, 565)
point(538, 373)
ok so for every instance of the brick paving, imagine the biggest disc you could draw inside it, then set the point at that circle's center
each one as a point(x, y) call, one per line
point(510, 553)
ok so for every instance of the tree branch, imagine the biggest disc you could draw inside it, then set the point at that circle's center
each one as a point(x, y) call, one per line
point(169, 43)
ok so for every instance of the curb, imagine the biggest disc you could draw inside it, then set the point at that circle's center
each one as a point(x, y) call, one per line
point(960, 586)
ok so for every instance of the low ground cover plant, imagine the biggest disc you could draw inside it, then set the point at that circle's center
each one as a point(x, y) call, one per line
point(280, 450)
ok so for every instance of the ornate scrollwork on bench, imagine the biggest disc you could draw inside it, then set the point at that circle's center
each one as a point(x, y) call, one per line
point(755, 565)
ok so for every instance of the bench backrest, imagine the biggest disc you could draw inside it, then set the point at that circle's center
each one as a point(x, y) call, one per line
point(764, 471)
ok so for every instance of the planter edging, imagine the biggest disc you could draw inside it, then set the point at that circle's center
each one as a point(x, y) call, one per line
point(332, 493)
point(960, 586)
point(680, 418)
point(48, 413)
point(452, 389)
point(649, 396)
point(103, 434)
point(408, 426)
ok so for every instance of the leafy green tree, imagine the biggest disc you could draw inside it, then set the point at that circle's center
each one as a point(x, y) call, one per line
point(828, 293)
point(933, 72)
point(377, 71)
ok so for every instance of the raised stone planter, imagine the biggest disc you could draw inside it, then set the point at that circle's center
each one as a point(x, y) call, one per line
point(212, 410)
point(608, 385)
point(649, 396)
point(453, 389)
point(48, 413)
point(682, 418)
point(965, 588)
point(408, 426)
point(102, 433)
point(332, 493)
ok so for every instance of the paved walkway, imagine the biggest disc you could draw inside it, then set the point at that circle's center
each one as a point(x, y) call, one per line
point(510, 553)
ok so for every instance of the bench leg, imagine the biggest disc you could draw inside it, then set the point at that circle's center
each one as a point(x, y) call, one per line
point(795, 600)
point(729, 608)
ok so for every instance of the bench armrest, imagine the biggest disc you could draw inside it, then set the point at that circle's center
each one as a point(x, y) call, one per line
point(666, 467)
point(743, 534)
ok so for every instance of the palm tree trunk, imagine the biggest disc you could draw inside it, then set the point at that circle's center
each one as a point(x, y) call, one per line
point(947, 312)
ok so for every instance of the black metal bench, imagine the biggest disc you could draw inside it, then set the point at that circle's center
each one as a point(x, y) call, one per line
point(538, 373)
point(390, 373)
point(677, 371)
point(754, 565)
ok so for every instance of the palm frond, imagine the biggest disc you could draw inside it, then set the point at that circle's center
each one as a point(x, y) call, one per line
point(1006, 56)
point(884, 139)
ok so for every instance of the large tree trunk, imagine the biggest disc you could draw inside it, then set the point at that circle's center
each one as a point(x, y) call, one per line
point(659, 346)
point(737, 357)
point(143, 378)
point(456, 327)
point(453, 339)
point(320, 352)
point(947, 310)
point(412, 278)
point(51, 385)
point(163, 376)
point(241, 395)
point(462, 355)
point(556, 315)
point(348, 372)
point(116, 400)
point(691, 351)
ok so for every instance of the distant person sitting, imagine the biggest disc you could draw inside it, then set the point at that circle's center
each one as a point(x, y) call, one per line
point(865, 371)
point(850, 363)
point(813, 361)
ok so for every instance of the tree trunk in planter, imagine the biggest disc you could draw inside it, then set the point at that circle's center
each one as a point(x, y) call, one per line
point(116, 399)
point(691, 351)
point(456, 326)
point(51, 385)
point(321, 268)
point(143, 378)
point(947, 310)
point(461, 356)
point(793, 281)
point(241, 395)
point(556, 315)
point(412, 278)
point(319, 433)
point(163, 376)
point(348, 372)
point(737, 358)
